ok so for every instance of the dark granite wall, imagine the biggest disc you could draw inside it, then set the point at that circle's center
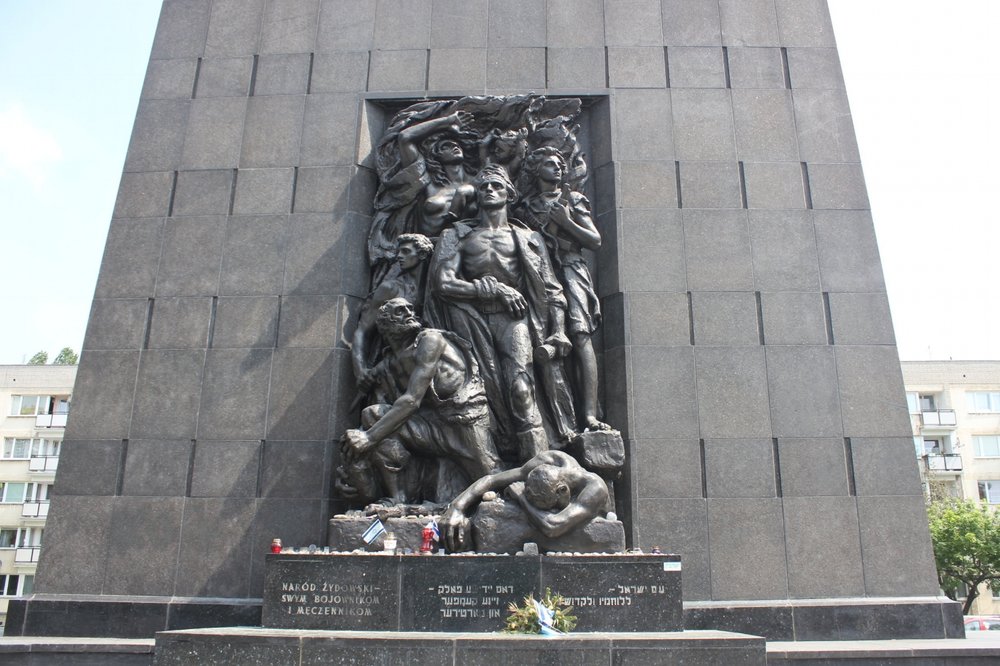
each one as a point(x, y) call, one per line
point(749, 357)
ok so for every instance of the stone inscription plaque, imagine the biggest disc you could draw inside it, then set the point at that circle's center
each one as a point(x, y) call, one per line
point(463, 593)
point(336, 592)
point(633, 593)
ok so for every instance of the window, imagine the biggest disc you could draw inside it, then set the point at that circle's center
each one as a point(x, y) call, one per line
point(22, 449)
point(33, 405)
point(987, 446)
point(11, 585)
point(983, 401)
point(913, 402)
point(12, 493)
point(29, 537)
point(927, 403)
point(8, 537)
point(932, 447)
point(989, 491)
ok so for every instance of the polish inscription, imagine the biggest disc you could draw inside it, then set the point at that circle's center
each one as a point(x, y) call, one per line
point(339, 598)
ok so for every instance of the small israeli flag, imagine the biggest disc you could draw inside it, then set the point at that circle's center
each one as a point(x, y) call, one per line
point(374, 531)
point(437, 530)
point(545, 618)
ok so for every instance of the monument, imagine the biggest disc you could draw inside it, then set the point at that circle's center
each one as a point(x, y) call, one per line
point(684, 254)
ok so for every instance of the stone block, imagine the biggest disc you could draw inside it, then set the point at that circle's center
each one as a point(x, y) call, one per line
point(295, 469)
point(90, 467)
point(703, 124)
point(180, 323)
point(272, 131)
point(246, 322)
point(885, 466)
point(328, 119)
point(459, 24)
point(691, 22)
point(848, 253)
point(636, 67)
point(234, 394)
point(215, 548)
point(890, 526)
point(144, 194)
point(346, 26)
point(156, 468)
point(725, 318)
point(457, 69)
point(502, 527)
point(802, 383)
point(340, 71)
point(667, 468)
point(861, 319)
point(157, 135)
point(301, 379)
point(224, 77)
point(765, 126)
point(793, 318)
point(398, 70)
point(784, 251)
point(748, 23)
point(679, 526)
point(271, 521)
point(143, 561)
point(515, 68)
point(696, 67)
point(576, 68)
point(192, 250)
point(402, 24)
point(710, 185)
point(633, 23)
point(663, 390)
point(181, 30)
point(658, 318)
point(643, 133)
point(804, 23)
point(823, 547)
point(76, 531)
point(169, 79)
point(254, 255)
point(756, 67)
point(717, 248)
point(131, 257)
point(214, 135)
point(746, 537)
point(362, 188)
point(516, 24)
point(774, 185)
point(230, 650)
point(732, 392)
point(322, 189)
point(838, 186)
point(315, 256)
point(617, 406)
point(648, 184)
point(824, 125)
point(575, 24)
point(289, 26)
point(308, 321)
point(225, 469)
point(263, 191)
point(167, 393)
point(813, 467)
point(871, 392)
point(102, 400)
point(282, 74)
point(234, 28)
point(815, 68)
point(739, 468)
point(203, 192)
point(116, 323)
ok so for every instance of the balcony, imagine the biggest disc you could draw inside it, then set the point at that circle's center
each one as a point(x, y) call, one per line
point(43, 464)
point(35, 510)
point(943, 462)
point(27, 555)
point(51, 420)
point(938, 418)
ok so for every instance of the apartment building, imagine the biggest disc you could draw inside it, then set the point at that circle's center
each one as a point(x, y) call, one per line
point(34, 404)
point(955, 413)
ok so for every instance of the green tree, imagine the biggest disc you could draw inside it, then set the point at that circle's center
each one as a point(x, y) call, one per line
point(66, 356)
point(966, 539)
point(41, 358)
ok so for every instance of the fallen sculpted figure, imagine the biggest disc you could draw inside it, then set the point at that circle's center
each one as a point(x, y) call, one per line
point(555, 494)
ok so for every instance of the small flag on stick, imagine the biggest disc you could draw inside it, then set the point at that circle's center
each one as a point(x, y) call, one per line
point(545, 618)
point(374, 531)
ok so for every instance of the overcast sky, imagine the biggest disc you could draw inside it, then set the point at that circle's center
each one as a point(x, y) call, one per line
point(921, 77)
